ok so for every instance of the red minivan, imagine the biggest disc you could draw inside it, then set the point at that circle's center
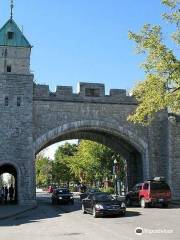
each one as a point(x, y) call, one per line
point(151, 192)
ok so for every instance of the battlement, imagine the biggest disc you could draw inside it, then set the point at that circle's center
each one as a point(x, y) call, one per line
point(93, 92)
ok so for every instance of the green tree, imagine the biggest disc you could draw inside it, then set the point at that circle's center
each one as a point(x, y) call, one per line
point(161, 87)
point(43, 171)
point(61, 164)
point(88, 162)
point(94, 162)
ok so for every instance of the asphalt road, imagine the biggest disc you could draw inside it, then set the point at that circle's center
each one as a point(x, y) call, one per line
point(67, 222)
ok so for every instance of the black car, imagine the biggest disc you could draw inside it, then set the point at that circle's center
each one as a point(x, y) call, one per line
point(62, 195)
point(102, 204)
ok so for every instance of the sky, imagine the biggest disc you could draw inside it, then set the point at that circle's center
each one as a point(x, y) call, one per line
point(84, 40)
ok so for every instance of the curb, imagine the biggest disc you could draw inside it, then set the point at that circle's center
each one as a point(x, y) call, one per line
point(18, 213)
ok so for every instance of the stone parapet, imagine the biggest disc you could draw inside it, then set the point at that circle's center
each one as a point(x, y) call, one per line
point(88, 92)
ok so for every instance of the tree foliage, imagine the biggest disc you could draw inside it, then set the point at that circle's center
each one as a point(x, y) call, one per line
point(88, 162)
point(94, 162)
point(161, 87)
point(61, 165)
point(43, 171)
point(2, 183)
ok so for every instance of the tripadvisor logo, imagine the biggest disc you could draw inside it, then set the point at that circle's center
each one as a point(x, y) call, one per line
point(139, 231)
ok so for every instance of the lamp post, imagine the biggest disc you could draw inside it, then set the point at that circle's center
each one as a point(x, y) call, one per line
point(115, 176)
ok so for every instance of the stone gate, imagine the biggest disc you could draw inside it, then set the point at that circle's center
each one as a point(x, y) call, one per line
point(33, 118)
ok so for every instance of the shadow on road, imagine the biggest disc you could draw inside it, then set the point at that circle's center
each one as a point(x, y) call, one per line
point(46, 211)
point(39, 214)
point(132, 213)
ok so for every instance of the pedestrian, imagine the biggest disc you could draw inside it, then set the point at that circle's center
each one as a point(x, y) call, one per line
point(2, 195)
point(83, 188)
point(5, 194)
point(11, 193)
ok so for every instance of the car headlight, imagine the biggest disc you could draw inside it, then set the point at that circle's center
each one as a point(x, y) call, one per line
point(99, 206)
point(123, 205)
point(71, 197)
point(60, 197)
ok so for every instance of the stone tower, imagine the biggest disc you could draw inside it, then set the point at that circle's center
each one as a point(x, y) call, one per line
point(16, 111)
point(14, 50)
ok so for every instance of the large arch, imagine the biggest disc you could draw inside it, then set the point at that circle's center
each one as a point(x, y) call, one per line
point(114, 136)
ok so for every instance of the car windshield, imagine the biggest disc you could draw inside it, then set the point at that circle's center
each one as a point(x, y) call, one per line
point(103, 197)
point(137, 187)
point(93, 190)
point(62, 191)
point(159, 186)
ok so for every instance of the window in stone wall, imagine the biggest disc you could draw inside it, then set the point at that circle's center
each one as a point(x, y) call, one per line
point(10, 35)
point(6, 101)
point(92, 92)
point(8, 68)
point(18, 101)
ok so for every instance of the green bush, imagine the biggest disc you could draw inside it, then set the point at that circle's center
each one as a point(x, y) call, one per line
point(107, 190)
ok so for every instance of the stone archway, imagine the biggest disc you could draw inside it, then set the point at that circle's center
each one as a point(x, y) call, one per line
point(116, 137)
point(11, 169)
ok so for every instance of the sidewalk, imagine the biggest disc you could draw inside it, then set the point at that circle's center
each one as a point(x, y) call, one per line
point(7, 211)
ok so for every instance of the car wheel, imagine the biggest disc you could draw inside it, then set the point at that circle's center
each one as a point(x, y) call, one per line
point(149, 205)
point(128, 202)
point(83, 210)
point(122, 214)
point(94, 213)
point(143, 203)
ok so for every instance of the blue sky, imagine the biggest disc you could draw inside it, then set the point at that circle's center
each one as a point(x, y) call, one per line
point(84, 40)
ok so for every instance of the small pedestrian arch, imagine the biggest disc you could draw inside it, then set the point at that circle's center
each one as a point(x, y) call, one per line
point(12, 170)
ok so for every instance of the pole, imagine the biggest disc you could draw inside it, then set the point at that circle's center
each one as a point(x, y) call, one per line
point(116, 190)
point(115, 176)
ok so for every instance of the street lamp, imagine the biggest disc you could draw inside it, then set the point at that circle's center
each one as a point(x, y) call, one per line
point(115, 176)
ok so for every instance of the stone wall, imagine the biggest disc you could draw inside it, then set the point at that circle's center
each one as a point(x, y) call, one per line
point(174, 154)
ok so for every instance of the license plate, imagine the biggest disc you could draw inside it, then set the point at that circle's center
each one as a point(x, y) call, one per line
point(161, 200)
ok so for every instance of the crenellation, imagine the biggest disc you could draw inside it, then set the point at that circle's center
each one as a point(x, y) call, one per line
point(41, 90)
point(90, 92)
point(91, 89)
point(117, 92)
point(64, 90)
